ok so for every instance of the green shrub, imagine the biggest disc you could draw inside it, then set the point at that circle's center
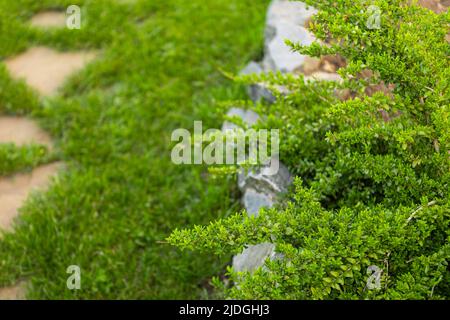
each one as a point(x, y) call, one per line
point(373, 172)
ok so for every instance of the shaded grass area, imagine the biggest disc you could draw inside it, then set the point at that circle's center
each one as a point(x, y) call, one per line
point(120, 195)
point(19, 158)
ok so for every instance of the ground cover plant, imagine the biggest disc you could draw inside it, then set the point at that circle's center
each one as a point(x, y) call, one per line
point(373, 169)
point(119, 196)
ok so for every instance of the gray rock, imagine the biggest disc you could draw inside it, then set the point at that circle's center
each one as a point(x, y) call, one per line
point(285, 20)
point(256, 91)
point(253, 257)
point(248, 116)
point(295, 12)
point(263, 181)
point(279, 56)
point(252, 68)
point(253, 201)
point(260, 191)
point(260, 187)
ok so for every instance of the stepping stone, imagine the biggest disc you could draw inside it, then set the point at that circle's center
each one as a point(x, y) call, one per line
point(14, 191)
point(49, 19)
point(21, 131)
point(45, 69)
point(16, 292)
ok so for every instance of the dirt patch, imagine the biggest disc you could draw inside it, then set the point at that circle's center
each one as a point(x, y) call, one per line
point(324, 76)
point(49, 19)
point(434, 5)
point(45, 69)
point(14, 191)
point(22, 131)
point(16, 292)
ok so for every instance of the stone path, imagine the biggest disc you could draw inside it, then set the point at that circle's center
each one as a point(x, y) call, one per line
point(16, 189)
point(16, 292)
point(45, 70)
point(49, 19)
point(22, 131)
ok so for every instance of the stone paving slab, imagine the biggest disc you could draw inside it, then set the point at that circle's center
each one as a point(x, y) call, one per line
point(15, 190)
point(45, 69)
point(21, 131)
point(49, 19)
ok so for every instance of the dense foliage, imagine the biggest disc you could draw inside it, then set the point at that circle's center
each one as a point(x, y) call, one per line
point(373, 171)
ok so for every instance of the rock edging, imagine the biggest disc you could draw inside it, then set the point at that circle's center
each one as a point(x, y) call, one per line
point(285, 20)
